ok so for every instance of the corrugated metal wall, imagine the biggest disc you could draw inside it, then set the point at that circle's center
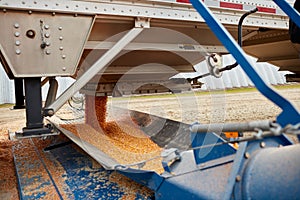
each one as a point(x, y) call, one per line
point(7, 90)
point(237, 77)
point(230, 79)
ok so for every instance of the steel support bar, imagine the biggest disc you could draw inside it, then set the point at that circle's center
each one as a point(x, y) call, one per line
point(33, 96)
point(289, 113)
point(233, 177)
point(93, 70)
point(230, 127)
point(53, 87)
point(289, 10)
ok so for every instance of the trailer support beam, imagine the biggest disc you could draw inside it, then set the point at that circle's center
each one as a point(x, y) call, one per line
point(93, 70)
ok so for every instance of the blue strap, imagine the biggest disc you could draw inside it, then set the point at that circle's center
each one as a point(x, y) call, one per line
point(289, 113)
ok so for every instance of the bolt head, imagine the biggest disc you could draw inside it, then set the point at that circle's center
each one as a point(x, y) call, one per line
point(50, 112)
point(17, 34)
point(238, 178)
point(16, 25)
point(18, 51)
point(247, 155)
point(18, 43)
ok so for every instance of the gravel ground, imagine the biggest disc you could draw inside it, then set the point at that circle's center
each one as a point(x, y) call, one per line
point(211, 108)
point(188, 108)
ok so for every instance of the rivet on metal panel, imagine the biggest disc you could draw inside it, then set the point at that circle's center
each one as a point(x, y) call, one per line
point(238, 178)
point(17, 43)
point(46, 5)
point(18, 51)
point(47, 44)
point(16, 25)
point(63, 56)
point(64, 69)
point(17, 34)
point(46, 26)
point(61, 48)
point(48, 52)
point(47, 35)
point(4, 10)
point(262, 145)
point(23, 2)
point(75, 15)
point(60, 28)
point(35, 2)
point(29, 12)
point(53, 14)
point(279, 146)
point(61, 38)
point(247, 155)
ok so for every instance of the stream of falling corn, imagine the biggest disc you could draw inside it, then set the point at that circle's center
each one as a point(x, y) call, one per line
point(121, 140)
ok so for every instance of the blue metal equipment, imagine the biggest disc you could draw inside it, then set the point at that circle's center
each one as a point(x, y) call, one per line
point(197, 164)
point(210, 170)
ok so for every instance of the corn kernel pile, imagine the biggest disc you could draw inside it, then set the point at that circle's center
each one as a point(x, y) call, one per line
point(120, 140)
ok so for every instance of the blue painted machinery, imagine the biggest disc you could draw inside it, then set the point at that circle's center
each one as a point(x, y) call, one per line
point(204, 166)
point(198, 164)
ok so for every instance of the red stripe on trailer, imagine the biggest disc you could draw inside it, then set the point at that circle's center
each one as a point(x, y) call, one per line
point(183, 1)
point(266, 10)
point(231, 5)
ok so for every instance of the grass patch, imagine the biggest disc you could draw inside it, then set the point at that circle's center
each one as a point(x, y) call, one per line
point(198, 93)
point(6, 105)
point(287, 86)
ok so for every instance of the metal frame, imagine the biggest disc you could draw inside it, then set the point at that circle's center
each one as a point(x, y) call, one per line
point(153, 10)
point(161, 46)
point(289, 10)
point(289, 114)
point(94, 69)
